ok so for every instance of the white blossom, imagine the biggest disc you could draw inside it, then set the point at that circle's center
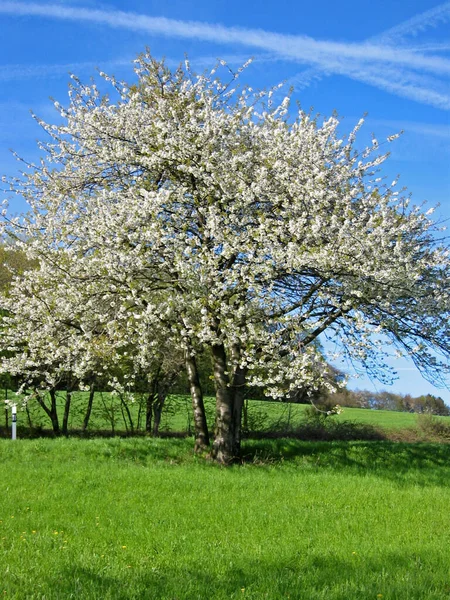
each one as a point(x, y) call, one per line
point(178, 214)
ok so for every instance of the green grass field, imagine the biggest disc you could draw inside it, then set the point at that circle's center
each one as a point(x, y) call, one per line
point(107, 415)
point(143, 518)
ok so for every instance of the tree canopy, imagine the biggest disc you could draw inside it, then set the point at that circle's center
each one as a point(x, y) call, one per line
point(186, 212)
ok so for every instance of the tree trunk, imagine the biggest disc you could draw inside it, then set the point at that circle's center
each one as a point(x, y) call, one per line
point(141, 402)
point(65, 422)
point(87, 416)
point(223, 450)
point(124, 407)
point(51, 412)
point(123, 417)
point(239, 379)
point(149, 403)
point(149, 412)
point(198, 407)
point(30, 422)
point(158, 406)
point(109, 412)
point(238, 402)
point(54, 413)
point(245, 414)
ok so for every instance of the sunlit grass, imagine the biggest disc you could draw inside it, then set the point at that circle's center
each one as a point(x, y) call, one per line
point(177, 416)
point(144, 518)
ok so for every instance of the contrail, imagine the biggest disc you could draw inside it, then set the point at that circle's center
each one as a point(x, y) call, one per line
point(374, 61)
point(426, 94)
point(429, 18)
point(301, 48)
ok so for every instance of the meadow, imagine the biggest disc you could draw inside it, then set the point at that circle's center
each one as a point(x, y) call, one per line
point(140, 518)
point(125, 518)
point(108, 415)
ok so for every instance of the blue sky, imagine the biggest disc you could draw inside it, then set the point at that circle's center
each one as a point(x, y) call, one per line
point(390, 58)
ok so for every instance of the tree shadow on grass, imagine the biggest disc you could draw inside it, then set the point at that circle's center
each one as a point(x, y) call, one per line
point(143, 451)
point(323, 430)
point(421, 463)
point(315, 574)
point(42, 432)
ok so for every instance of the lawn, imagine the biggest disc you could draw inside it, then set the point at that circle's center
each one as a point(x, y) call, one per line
point(143, 518)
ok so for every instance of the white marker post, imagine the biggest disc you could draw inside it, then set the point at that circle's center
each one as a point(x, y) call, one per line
point(14, 422)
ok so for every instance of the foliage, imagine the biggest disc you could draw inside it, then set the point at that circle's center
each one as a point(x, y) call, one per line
point(434, 428)
point(321, 412)
point(13, 263)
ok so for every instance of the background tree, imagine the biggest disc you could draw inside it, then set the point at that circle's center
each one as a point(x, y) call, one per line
point(53, 343)
point(13, 262)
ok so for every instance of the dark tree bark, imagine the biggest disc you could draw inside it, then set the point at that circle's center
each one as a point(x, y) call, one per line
point(238, 390)
point(198, 406)
point(141, 402)
point(109, 413)
point(245, 414)
point(65, 423)
point(155, 401)
point(149, 402)
point(125, 409)
point(223, 449)
point(158, 405)
point(238, 403)
point(149, 412)
point(51, 411)
point(154, 407)
point(87, 415)
point(30, 422)
point(230, 397)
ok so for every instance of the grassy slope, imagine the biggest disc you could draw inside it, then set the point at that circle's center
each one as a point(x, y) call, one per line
point(143, 518)
point(381, 418)
point(178, 414)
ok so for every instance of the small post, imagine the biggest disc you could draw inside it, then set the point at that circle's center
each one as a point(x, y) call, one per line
point(14, 422)
point(6, 408)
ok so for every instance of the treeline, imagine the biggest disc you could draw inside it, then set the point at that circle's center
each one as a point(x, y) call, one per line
point(427, 403)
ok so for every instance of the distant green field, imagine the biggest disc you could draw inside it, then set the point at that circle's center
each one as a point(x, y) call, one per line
point(387, 419)
point(108, 415)
point(142, 518)
point(294, 414)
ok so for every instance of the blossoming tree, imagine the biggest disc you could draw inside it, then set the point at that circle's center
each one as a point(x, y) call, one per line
point(204, 215)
